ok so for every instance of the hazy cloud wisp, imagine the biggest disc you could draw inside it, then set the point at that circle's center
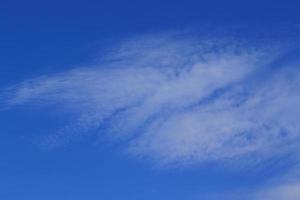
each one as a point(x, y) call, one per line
point(180, 101)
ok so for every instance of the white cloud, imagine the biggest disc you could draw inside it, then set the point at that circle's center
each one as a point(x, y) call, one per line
point(285, 187)
point(179, 100)
point(281, 192)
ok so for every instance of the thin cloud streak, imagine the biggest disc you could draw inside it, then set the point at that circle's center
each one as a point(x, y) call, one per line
point(179, 101)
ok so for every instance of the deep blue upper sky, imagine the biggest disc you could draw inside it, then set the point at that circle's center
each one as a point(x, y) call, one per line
point(46, 37)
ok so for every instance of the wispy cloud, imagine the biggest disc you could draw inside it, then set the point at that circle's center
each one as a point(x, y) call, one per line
point(178, 100)
point(281, 192)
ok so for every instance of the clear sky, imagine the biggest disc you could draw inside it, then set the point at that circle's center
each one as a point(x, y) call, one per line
point(149, 99)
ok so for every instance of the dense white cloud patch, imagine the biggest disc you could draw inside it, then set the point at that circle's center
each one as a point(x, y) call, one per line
point(180, 100)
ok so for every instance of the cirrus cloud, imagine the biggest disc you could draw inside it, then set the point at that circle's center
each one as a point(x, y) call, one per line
point(177, 100)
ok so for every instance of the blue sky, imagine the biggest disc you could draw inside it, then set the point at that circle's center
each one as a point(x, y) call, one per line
point(192, 100)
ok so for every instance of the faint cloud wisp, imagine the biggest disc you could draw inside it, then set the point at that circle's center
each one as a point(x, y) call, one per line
point(179, 101)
